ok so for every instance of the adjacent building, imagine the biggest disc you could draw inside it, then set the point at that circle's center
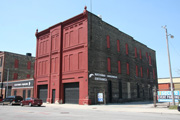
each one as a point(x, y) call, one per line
point(85, 60)
point(16, 74)
point(164, 84)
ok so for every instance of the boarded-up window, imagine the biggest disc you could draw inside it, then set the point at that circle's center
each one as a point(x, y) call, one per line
point(108, 41)
point(127, 49)
point(140, 55)
point(15, 76)
point(136, 70)
point(119, 67)
point(16, 63)
point(28, 75)
point(29, 65)
point(150, 60)
point(141, 69)
point(135, 49)
point(118, 45)
point(148, 73)
point(127, 69)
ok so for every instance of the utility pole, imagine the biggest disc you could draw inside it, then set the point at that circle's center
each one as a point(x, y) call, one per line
point(1, 84)
point(172, 89)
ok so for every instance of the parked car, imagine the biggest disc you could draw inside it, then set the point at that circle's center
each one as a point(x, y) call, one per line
point(1, 98)
point(31, 102)
point(11, 100)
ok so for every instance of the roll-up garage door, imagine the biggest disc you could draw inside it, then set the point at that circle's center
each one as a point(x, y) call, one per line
point(42, 92)
point(71, 93)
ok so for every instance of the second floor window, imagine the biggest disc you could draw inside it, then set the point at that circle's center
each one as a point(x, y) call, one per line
point(119, 67)
point(141, 69)
point(127, 69)
point(136, 70)
point(15, 76)
point(109, 64)
point(148, 73)
point(28, 75)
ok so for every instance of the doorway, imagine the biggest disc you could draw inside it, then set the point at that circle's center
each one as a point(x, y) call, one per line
point(53, 95)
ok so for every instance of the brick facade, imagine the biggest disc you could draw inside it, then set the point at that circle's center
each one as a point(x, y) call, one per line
point(15, 67)
point(97, 56)
point(131, 54)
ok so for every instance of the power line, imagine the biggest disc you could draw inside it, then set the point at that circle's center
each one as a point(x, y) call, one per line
point(174, 48)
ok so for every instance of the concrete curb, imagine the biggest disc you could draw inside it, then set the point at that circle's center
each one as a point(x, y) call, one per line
point(138, 108)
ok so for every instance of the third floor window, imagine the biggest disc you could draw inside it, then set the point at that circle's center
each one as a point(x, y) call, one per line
point(108, 41)
point(16, 63)
point(118, 45)
point(127, 49)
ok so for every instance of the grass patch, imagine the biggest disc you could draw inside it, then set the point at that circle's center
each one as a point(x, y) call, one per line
point(173, 107)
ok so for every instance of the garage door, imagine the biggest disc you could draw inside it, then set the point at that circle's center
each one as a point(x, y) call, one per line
point(42, 92)
point(71, 93)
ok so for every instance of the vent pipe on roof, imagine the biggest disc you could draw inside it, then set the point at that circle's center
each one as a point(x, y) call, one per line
point(100, 16)
point(28, 54)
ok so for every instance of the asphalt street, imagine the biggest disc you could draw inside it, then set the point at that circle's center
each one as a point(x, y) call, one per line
point(92, 112)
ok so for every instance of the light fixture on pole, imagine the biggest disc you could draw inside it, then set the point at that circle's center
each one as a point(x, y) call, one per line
point(172, 89)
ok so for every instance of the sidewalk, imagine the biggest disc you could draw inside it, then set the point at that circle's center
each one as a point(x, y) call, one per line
point(139, 107)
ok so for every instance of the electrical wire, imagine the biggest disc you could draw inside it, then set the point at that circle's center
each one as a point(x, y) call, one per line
point(174, 48)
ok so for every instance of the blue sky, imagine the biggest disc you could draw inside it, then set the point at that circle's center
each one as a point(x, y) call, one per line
point(141, 19)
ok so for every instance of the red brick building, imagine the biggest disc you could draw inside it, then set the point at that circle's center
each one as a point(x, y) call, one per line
point(164, 84)
point(16, 74)
point(83, 58)
point(52, 68)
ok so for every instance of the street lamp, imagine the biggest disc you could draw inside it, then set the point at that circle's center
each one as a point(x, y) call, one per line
point(172, 89)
